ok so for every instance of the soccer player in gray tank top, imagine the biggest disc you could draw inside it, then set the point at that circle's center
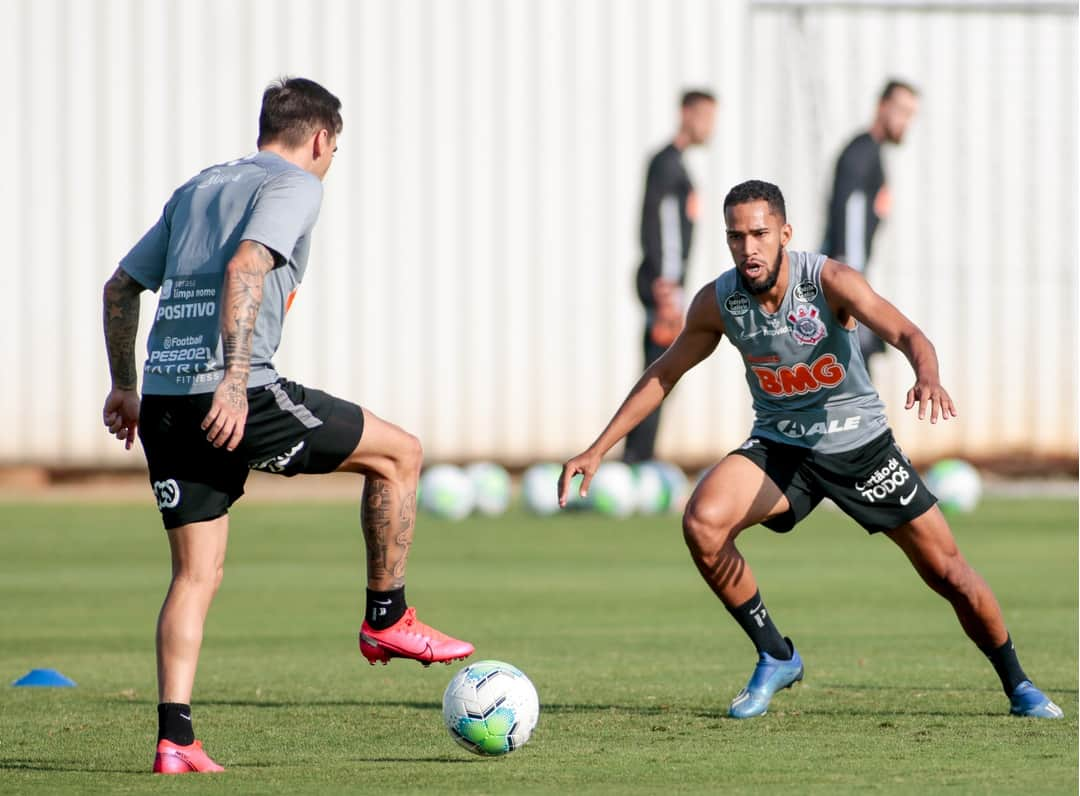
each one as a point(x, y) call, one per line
point(819, 431)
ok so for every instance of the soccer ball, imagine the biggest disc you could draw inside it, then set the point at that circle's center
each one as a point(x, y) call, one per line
point(491, 486)
point(660, 486)
point(540, 488)
point(446, 492)
point(490, 708)
point(678, 488)
point(649, 485)
point(612, 490)
point(956, 483)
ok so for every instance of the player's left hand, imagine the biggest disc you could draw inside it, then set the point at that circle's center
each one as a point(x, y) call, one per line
point(926, 393)
point(121, 414)
point(225, 421)
point(584, 464)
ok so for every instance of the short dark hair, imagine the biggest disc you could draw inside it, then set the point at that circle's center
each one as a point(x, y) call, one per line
point(293, 108)
point(897, 85)
point(754, 191)
point(696, 95)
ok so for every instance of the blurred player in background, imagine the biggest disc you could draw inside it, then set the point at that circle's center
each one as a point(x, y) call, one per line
point(860, 195)
point(227, 255)
point(819, 431)
point(668, 212)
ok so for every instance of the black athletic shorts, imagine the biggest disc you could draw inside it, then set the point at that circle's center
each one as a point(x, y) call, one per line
point(290, 429)
point(875, 485)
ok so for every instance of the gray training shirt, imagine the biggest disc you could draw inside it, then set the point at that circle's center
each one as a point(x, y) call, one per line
point(805, 372)
point(261, 198)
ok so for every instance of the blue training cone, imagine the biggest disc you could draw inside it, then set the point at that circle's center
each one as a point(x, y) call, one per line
point(45, 678)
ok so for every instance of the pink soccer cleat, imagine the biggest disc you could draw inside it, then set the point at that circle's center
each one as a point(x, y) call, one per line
point(172, 758)
point(411, 638)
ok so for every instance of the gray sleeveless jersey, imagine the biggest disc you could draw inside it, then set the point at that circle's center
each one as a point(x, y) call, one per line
point(263, 198)
point(807, 377)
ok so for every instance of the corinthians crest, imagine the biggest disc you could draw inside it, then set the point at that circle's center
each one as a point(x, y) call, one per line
point(806, 325)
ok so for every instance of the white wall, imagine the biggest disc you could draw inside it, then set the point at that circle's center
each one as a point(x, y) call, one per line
point(472, 271)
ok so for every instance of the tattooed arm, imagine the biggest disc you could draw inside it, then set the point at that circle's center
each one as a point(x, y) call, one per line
point(121, 321)
point(240, 300)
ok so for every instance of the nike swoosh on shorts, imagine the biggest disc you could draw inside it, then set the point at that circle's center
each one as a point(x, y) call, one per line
point(908, 498)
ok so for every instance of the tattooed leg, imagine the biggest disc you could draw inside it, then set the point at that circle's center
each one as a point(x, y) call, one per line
point(390, 459)
point(387, 517)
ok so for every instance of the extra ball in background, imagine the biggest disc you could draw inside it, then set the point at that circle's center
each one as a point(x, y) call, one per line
point(613, 491)
point(540, 488)
point(491, 487)
point(956, 484)
point(446, 491)
point(676, 486)
point(661, 487)
point(652, 497)
point(490, 708)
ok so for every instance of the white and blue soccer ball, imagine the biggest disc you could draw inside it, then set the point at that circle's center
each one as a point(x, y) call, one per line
point(678, 486)
point(956, 484)
point(661, 487)
point(540, 488)
point(447, 492)
point(649, 488)
point(490, 708)
point(613, 490)
point(491, 487)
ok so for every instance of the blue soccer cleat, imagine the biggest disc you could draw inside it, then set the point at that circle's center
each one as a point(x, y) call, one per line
point(770, 675)
point(1027, 700)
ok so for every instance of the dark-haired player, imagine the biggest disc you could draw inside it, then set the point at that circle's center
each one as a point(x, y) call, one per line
point(226, 257)
point(860, 197)
point(819, 431)
point(668, 211)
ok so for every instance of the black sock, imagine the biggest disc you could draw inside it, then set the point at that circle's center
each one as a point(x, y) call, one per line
point(755, 622)
point(384, 608)
point(1004, 661)
point(174, 723)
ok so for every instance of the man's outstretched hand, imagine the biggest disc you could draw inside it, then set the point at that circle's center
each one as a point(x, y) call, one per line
point(925, 393)
point(584, 464)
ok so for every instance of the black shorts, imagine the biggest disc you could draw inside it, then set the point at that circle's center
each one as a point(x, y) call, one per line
point(875, 485)
point(290, 429)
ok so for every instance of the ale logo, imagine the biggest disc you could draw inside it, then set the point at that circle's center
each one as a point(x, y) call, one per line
point(802, 378)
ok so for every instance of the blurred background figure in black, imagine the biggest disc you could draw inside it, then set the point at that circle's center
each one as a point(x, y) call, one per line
point(668, 212)
point(860, 194)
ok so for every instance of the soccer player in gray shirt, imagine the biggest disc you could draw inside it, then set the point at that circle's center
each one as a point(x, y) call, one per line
point(226, 258)
point(819, 431)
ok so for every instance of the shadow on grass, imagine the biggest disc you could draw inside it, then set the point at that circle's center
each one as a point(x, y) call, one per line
point(62, 765)
point(870, 712)
point(720, 711)
point(67, 765)
point(466, 760)
point(643, 710)
point(932, 688)
point(278, 763)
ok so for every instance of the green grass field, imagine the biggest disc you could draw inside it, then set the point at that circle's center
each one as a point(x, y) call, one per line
point(634, 660)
